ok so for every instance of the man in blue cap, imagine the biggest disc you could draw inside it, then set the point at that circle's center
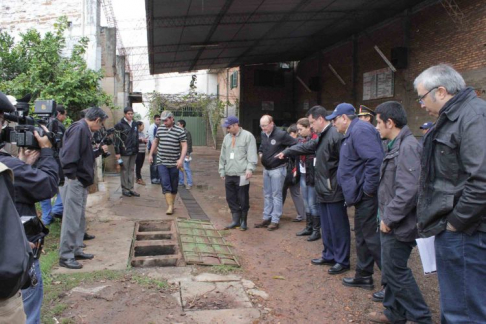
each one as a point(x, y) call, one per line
point(425, 127)
point(237, 162)
point(358, 174)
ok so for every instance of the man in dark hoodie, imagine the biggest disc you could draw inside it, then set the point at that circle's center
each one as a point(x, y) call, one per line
point(126, 149)
point(358, 175)
point(452, 191)
point(397, 197)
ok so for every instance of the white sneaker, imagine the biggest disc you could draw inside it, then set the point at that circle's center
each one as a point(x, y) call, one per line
point(188, 187)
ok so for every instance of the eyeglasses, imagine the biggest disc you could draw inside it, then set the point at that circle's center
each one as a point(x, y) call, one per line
point(420, 99)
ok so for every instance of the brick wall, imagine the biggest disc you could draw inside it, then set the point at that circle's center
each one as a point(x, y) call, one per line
point(432, 38)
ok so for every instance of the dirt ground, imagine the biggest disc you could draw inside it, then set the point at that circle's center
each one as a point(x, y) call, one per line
point(277, 262)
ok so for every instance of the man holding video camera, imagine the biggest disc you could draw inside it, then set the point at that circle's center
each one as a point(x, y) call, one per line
point(36, 179)
point(77, 159)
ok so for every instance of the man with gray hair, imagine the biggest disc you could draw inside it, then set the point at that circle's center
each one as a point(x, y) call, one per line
point(77, 159)
point(452, 191)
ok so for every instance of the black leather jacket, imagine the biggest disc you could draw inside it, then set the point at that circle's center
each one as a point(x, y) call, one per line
point(127, 144)
point(453, 168)
point(326, 149)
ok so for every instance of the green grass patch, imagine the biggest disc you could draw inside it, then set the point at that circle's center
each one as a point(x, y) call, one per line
point(149, 282)
point(224, 269)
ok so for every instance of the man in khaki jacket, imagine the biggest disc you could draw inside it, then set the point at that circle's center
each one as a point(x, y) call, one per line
point(237, 162)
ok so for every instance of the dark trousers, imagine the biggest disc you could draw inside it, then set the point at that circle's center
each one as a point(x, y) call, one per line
point(403, 299)
point(154, 170)
point(139, 164)
point(461, 270)
point(368, 247)
point(238, 197)
point(336, 235)
point(169, 179)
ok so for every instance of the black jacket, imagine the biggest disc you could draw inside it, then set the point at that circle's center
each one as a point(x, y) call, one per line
point(189, 141)
point(32, 183)
point(453, 168)
point(77, 155)
point(397, 192)
point(271, 145)
point(127, 144)
point(326, 148)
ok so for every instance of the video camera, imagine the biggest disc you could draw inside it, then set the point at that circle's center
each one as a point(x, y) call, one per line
point(23, 134)
point(102, 137)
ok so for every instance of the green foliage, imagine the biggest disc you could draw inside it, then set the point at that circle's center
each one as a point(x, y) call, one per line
point(36, 65)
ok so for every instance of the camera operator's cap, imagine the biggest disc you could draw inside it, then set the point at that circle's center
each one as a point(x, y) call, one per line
point(166, 114)
point(342, 109)
point(5, 104)
point(365, 111)
point(231, 120)
point(427, 125)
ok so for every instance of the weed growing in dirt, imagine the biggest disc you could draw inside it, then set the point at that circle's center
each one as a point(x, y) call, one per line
point(149, 282)
point(224, 269)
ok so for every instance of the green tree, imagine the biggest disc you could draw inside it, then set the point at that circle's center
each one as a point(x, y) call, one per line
point(35, 65)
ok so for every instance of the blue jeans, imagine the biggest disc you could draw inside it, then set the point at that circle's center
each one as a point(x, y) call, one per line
point(48, 209)
point(32, 297)
point(273, 181)
point(188, 172)
point(461, 270)
point(309, 196)
point(169, 178)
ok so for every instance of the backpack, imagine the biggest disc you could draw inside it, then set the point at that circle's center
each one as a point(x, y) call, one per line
point(16, 256)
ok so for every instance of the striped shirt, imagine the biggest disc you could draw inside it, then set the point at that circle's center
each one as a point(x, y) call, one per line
point(169, 148)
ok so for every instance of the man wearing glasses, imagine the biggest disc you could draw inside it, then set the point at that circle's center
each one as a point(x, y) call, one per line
point(274, 141)
point(452, 191)
point(358, 174)
point(237, 162)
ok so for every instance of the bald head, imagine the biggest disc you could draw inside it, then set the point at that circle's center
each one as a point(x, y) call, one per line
point(266, 124)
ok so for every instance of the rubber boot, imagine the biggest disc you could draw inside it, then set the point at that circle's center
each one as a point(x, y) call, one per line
point(316, 229)
point(244, 217)
point(169, 198)
point(236, 217)
point(308, 226)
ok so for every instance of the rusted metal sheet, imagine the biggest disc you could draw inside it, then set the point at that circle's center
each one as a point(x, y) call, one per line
point(202, 244)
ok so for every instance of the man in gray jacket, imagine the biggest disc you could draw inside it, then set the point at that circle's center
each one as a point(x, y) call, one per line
point(237, 162)
point(397, 194)
point(452, 191)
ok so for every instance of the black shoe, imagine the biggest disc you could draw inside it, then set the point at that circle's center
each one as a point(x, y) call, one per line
point(361, 282)
point(88, 237)
point(134, 193)
point(56, 216)
point(70, 264)
point(244, 218)
point(236, 221)
point(379, 296)
point(321, 261)
point(337, 269)
point(83, 256)
point(297, 220)
point(316, 229)
point(126, 193)
point(308, 226)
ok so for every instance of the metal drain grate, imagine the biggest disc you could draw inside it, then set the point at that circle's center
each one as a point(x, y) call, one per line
point(155, 244)
point(193, 209)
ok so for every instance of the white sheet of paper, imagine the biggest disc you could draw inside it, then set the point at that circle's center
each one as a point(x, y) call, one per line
point(232, 155)
point(426, 249)
point(244, 181)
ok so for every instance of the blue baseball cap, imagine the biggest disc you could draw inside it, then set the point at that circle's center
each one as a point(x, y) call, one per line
point(426, 125)
point(231, 120)
point(342, 109)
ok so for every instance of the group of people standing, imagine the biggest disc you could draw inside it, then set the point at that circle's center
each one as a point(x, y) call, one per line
point(400, 189)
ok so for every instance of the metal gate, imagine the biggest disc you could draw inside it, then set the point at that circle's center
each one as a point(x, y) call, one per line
point(195, 123)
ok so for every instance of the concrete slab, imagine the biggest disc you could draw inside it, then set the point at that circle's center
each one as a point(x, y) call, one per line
point(111, 247)
point(199, 295)
point(225, 316)
point(211, 277)
point(258, 293)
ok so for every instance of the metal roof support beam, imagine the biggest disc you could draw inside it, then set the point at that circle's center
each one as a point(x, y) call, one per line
point(390, 65)
point(336, 74)
point(216, 22)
